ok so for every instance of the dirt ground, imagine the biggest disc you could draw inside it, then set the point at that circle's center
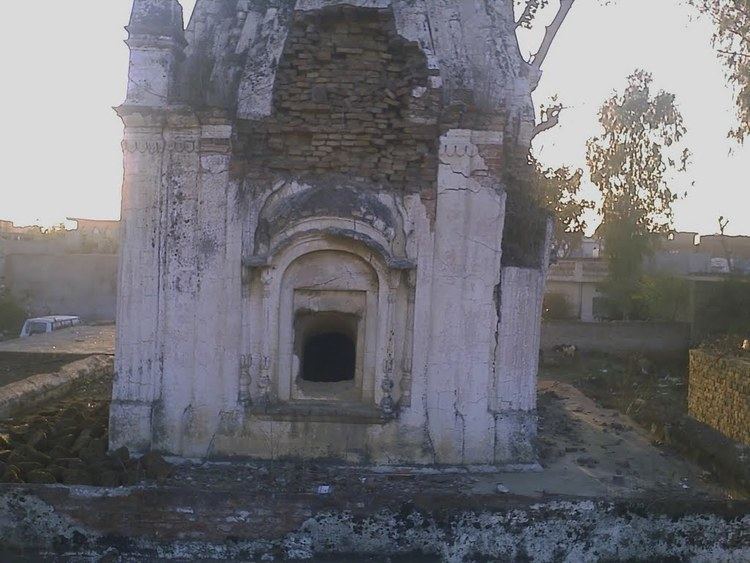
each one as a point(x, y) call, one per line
point(47, 353)
point(80, 341)
point(633, 385)
point(14, 367)
point(585, 445)
point(586, 450)
point(654, 395)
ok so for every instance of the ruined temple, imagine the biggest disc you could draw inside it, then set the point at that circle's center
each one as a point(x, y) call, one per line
point(326, 247)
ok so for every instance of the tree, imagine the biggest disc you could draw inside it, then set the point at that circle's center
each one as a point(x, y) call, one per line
point(526, 20)
point(723, 223)
point(558, 190)
point(632, 163)
point(526, 222)
point(664, 297)
point(731, 39)
point(529, 13)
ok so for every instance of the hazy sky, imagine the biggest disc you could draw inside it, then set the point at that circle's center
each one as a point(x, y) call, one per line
point(64, 66)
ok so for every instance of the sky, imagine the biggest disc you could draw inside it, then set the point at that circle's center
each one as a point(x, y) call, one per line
point(63, 72)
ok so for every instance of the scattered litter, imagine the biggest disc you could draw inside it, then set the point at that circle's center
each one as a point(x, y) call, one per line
point(324, 489)
point(566, 350)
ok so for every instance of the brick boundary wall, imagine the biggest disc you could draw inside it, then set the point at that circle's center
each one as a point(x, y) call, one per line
point(719, 394)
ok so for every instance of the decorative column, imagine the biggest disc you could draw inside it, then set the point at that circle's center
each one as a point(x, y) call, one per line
point(156, 41)
point(466, 272)
point(216, 307)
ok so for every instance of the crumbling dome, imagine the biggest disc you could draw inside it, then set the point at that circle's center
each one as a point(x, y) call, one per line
point(313, 215)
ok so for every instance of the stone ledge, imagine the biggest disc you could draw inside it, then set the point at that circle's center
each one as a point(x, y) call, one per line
point(37, 389)
point(309, 411)
point(180, 523)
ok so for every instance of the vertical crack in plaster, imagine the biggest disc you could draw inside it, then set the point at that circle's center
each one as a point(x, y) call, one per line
point(494, 400)
point(459, 416)
point(428, 24)
point(428, 435)
point(164, 206)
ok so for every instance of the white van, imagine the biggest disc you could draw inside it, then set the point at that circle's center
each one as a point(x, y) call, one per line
point(43, 325)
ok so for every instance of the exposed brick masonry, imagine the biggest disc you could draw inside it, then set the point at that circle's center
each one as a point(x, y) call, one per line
point(719, 394)
point(351, 97)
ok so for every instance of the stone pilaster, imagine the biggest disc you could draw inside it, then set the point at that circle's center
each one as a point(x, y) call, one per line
point(138, 355)
point(200, 274)
point(466, 272)
point(156, 41)
point(179, 276)
point(513, 398)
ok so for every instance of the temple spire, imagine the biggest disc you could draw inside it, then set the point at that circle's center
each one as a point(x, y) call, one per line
point(156, 39)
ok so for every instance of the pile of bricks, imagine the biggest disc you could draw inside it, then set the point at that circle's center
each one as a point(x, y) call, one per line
point(719, 393)
point(353, 98)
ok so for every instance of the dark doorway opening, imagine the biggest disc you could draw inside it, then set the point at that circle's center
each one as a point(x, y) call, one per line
point(329, 357)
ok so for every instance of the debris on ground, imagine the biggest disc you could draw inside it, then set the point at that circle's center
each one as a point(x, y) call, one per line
point(67, 442)
point(653, 393)
point(15, 367)
point(584, 451)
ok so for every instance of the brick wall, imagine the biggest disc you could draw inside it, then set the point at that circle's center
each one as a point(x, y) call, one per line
point(351, 97)
point(719, 394)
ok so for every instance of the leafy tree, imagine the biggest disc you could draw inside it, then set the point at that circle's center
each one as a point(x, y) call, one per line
point(664, 297)
point(558, 190)
point(632, 163)
point(731, 39)
point(529, 12)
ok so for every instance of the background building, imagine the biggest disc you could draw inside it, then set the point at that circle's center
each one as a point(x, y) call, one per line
point(699, 259)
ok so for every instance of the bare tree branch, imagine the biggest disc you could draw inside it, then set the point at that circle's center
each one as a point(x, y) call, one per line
point(550, 118)
point(732, 53)
point(725, 247)
point(550, 33)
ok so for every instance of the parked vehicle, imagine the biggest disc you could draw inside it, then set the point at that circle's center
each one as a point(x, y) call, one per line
point(43, 325)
